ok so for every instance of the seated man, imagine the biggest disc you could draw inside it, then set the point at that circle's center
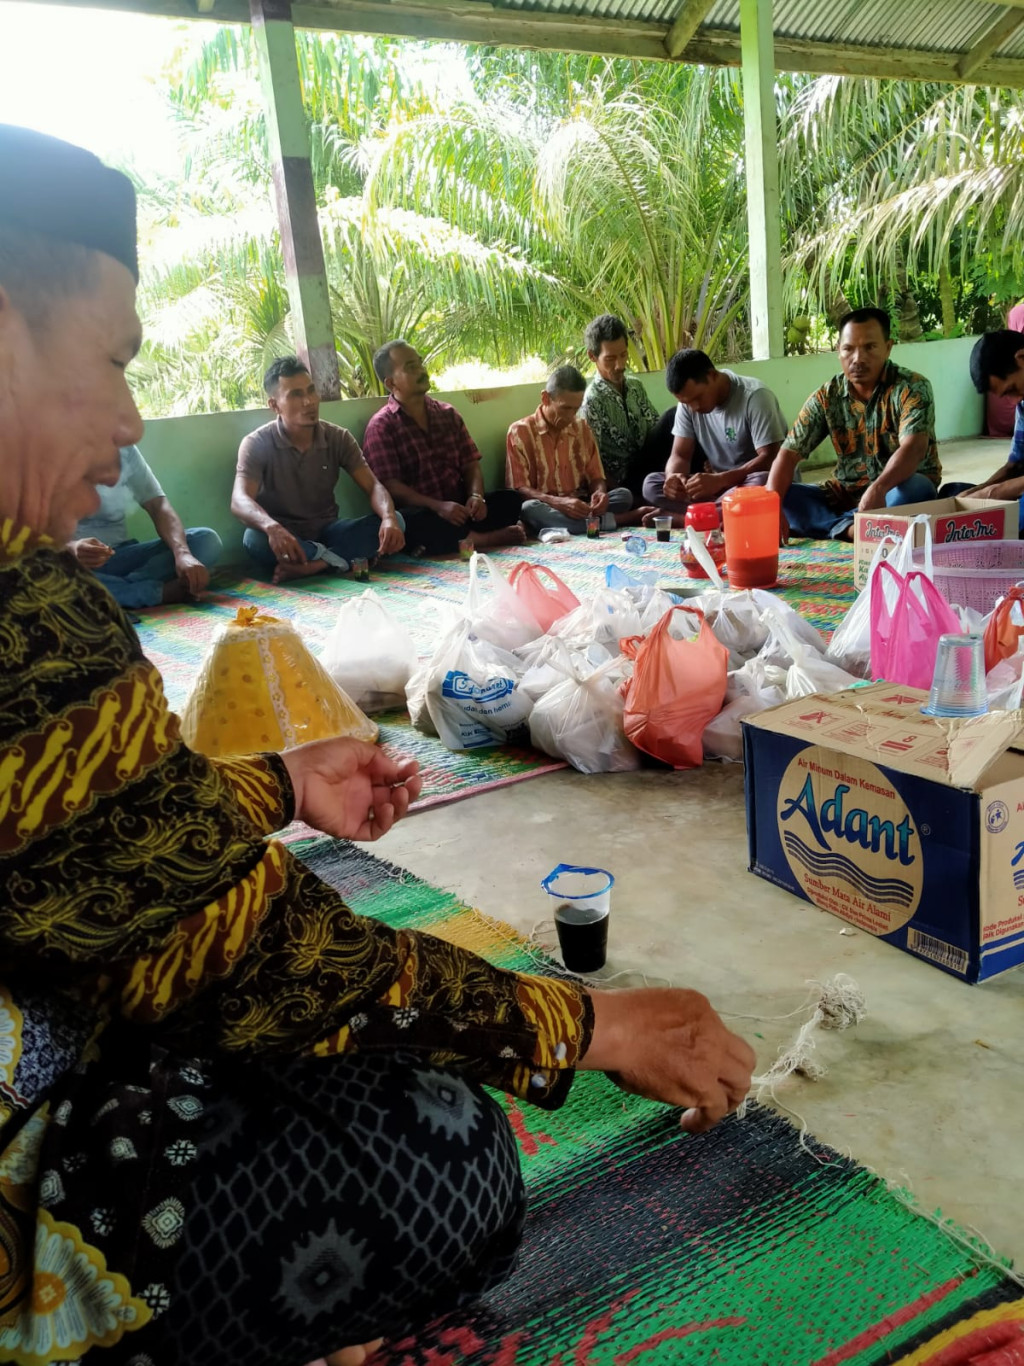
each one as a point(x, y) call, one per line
point(997, 367)
point(421, 452)
point(728, 430)
point(553, 463)
point(616, 407)
point(285, 482)
point(143, 573)
point(881, 419)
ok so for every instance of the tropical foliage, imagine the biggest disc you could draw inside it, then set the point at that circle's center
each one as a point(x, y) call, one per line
point(487, 203)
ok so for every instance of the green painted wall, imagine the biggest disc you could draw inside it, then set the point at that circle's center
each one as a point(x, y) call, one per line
point(194, 457)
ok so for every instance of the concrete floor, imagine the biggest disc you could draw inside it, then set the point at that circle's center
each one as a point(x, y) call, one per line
point(926, 1090)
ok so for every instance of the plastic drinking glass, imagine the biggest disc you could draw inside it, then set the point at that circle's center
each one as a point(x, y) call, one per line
point(663, 528)
point(958, 684)
point(581, 916)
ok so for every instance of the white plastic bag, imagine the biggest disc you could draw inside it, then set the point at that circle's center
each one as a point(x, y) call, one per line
point(473, 693)
point(736, 619)
point(550, 660)
point(369, 653)
point(580, 719)
point(493, 608)
point(790, 636)
point(754, 687)
point(603, 618)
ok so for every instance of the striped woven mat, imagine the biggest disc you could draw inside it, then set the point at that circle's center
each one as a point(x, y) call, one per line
point(740, 1246)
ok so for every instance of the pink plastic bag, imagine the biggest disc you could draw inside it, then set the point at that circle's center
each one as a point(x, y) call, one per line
point(676, 689)
point(908, 616)
point(544, 603)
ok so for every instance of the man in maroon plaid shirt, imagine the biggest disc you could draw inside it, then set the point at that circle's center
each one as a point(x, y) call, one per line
point(421, 452)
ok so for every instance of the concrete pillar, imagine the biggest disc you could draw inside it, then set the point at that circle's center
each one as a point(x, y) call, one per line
point(762, 165)
point(308, 295)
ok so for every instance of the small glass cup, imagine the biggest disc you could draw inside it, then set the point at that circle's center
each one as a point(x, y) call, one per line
point(663, 528)
point(593, 528)
point(361, 571)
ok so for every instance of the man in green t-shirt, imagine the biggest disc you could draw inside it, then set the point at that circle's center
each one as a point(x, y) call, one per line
point(881, 419)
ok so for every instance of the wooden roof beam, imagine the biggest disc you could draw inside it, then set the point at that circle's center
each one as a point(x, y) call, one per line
point(689, 19)
point(985, 41)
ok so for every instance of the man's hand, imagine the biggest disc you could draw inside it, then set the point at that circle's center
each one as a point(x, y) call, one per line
point(349, 789)
point(675, 487)
point(706, 486)
point(455, 513)
point(476, 506)
point(574, 508)
point(598, 504)
point(870, 499)
point(670, 1045)
point(391, 538)
point(192, 573)
point(89, 552)
point(285, 546)
point(783, 527)
point(1001, 493)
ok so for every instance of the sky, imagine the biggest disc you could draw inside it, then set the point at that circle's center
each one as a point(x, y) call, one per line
point(91, 76)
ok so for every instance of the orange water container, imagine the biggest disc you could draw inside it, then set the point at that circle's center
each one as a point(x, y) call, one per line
point(750, 517)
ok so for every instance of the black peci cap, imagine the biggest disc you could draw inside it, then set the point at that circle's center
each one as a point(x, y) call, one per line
point(54, 189)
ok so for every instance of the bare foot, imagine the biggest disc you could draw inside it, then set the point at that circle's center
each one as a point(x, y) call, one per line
point(506, 535)
point(284, 571)
point(349, 1356)
point(638, 517)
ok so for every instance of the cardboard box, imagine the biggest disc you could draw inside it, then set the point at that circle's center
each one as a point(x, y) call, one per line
point(908, 827)
point(952, 519)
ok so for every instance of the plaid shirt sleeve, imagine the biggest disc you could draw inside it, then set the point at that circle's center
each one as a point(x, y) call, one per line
point(380, 449)
point(810, 428)
point(462, 440)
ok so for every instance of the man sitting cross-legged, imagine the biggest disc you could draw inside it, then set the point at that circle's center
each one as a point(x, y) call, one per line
point(881, 419)
point(421, 452)
point(552, 461)
point(143, 573)
point(285, 481)
point(728, 429)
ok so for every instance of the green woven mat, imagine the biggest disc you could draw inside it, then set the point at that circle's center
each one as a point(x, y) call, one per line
point(740, 1246)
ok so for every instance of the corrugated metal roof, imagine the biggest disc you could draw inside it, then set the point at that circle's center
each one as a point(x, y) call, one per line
point(924, 26)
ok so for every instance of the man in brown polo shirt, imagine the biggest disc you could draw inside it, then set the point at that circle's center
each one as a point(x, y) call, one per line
point(285, 480)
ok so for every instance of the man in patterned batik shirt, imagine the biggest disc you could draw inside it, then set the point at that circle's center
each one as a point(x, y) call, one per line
point(616, 407)
point(881, 420)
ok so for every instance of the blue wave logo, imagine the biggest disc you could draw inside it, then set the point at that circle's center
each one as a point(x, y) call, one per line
point(882, 891)
point(460, 686)
point(1018, 880)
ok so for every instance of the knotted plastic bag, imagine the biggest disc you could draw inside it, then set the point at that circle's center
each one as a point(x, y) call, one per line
point(905, 634)
point(369, 653)
point(259, 688)
point(676, 689)
point(542, 592)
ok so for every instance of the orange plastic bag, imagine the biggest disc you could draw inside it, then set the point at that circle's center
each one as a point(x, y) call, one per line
point(677, 687)
point(1002, 635)
point(544, 603)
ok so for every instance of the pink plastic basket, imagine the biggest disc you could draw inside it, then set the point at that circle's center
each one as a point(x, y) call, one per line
point(975, 573)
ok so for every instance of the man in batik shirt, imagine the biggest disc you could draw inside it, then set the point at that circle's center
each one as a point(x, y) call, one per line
point(881, 421)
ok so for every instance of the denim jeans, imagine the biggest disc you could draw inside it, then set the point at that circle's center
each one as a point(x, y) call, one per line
point(136, 572)
point(809, 515)
point(338, 543)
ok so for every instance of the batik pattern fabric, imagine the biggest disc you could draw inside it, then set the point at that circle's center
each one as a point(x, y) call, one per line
point(621, 423)
point(865, 434)
point(147, 922)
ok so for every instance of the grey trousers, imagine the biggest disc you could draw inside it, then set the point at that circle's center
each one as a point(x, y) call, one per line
point(538, 515)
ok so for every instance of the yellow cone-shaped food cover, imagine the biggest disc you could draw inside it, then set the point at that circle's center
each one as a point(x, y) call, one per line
point(259, 688)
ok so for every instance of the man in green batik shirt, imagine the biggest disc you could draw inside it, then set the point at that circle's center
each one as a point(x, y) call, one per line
point(616, 406)
point(881, 419)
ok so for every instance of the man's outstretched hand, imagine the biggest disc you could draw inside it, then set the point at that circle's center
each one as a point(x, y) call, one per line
point(669, 1044)
point(349, 789)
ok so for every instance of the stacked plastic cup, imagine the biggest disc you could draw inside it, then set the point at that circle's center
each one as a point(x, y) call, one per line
point(958, 684)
